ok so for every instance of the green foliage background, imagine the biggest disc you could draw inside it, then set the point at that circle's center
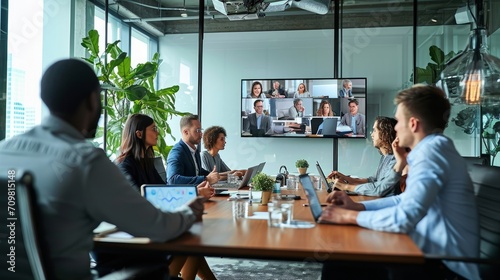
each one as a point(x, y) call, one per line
point(128, 91)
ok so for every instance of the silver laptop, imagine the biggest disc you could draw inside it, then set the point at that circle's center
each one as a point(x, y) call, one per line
point(328, 127)
point(169, 197)
point(224, 185)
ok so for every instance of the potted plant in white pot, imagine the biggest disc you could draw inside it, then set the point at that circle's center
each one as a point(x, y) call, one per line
point(263, 182)
point(302, 166)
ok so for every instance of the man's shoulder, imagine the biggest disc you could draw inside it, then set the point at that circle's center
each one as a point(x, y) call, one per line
point(176, 150)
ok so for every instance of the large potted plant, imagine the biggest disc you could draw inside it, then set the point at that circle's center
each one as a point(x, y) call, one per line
point(128, 90)
point(263, 182)
point(302, 166)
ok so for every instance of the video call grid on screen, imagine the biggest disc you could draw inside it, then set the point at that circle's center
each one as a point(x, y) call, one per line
point(277, 103)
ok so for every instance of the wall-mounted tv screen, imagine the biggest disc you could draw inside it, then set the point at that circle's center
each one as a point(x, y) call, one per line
point(313, 108)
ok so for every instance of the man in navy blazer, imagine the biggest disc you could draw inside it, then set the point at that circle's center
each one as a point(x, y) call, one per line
point(184, 161)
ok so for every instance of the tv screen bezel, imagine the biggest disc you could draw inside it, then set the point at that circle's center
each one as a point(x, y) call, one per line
point(339, 105)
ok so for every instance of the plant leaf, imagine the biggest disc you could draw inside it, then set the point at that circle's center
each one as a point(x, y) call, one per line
point(136, 92)
point(91, 43)
point(437, 55)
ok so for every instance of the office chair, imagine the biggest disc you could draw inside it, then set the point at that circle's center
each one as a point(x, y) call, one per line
point(486, 184)
point(31, 260)
point(158, 162)
point(487, 189)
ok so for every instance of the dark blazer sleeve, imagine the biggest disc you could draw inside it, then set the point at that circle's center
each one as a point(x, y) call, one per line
point(180, 166)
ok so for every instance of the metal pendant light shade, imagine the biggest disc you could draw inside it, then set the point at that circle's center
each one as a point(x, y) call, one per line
point(474, 75)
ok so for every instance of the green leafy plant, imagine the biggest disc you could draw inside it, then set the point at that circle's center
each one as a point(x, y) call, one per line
point(301, 163)
point(262, 182)
point(432, 72)
point(129, 90)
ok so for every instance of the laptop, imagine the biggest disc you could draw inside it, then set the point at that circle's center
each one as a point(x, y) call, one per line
point(224, 185)
point(168, 197)
point(312, 197)
point(329, 185)
point(329, 127)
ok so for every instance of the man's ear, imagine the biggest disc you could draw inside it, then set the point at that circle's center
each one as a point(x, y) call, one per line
point(414, 124)
point(138, 133)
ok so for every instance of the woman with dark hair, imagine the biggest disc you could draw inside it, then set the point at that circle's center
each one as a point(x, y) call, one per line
point(214, 140)
point(256, 91)
point(325, 109)
point(386, 180)
point(136, 157)
point(139, 136)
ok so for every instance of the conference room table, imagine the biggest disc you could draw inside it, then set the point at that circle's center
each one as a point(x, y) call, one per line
point(221, 235)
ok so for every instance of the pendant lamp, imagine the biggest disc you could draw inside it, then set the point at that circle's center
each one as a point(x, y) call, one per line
point(474, 74)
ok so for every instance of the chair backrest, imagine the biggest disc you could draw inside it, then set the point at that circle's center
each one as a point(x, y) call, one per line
point(158, 162)
point(486, 180)
point(29, 261)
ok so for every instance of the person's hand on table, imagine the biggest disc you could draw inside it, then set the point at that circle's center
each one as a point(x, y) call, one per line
point(342, 200)
point(337, 215)
point(214, 176)
point(338, 175)
point(197, 207)
point(205, 189)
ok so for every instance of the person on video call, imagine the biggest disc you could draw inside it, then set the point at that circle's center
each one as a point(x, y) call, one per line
point(77, 186)
point(258, 123)
point(276, 91)
point(346, 91)
point(297, 110)
point(386, 180)
point(256, 91)
point(325, 109)
point(214, 140)
point(354, 120)
point(184, 161)
point(301, 91)
point(139, 136)
point(438, 209)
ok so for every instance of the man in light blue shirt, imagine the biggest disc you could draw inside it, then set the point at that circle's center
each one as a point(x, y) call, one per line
point(438, 209)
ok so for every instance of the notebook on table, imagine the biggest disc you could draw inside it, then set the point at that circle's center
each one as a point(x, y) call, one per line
point(329, 185)
point(169, 197)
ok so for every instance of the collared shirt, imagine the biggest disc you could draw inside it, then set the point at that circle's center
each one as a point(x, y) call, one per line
point(77, 188)
point(437, 210)
point(193, 153)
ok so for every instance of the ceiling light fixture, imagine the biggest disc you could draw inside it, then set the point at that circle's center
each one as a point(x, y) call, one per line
point(474, 74)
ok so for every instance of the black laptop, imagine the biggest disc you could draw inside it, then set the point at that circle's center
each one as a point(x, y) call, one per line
point(329, 185)
point(312, 197)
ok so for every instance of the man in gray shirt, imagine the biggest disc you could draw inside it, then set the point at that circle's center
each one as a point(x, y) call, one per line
point(77, 186)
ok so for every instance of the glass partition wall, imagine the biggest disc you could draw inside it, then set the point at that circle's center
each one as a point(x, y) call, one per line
point(447, 30)
point(377, 41)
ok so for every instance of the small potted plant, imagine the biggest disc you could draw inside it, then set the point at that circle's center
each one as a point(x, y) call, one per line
point(302, 166)
point(263, 182)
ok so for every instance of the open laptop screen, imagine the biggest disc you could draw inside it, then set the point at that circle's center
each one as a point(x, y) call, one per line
point(169, 197)
point(312, 197)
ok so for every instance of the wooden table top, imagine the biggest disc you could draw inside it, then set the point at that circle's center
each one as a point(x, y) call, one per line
point(221, 235)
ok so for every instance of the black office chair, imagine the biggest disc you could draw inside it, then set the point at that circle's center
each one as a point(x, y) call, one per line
point(158, 162)
point(486, 181)
point(31, 261)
